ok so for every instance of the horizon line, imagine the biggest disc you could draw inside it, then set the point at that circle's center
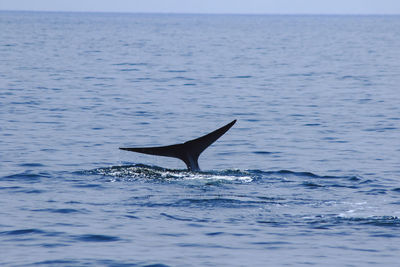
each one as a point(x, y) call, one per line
point(204, 13)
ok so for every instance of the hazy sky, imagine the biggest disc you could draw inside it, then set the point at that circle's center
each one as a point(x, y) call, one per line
point(212, 6)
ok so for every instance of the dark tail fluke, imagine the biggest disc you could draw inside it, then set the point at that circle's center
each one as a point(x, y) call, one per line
point(189, 151)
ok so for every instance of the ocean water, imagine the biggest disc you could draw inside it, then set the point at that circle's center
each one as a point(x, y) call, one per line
point(309, 175)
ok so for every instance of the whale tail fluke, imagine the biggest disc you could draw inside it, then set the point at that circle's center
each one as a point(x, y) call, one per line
point(189, 151)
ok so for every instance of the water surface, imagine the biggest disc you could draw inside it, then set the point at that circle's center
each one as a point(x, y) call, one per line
point(309, 175)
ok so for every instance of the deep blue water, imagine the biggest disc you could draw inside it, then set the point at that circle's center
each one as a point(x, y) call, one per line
point(309, 175)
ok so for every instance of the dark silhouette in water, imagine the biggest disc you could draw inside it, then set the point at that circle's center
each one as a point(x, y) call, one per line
point(189, 151)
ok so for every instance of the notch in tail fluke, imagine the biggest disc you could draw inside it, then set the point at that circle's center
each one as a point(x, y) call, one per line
point(189, 151)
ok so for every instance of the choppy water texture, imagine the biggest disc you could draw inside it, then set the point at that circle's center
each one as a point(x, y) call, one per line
point(309, 175)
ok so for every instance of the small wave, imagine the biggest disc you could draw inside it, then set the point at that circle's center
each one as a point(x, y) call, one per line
point(332, 221)
point(287, 173)
point(22, 232)
point(175, 71)
point(243, 76)
point(19, 189)
point(97, 238)
point(180, 218)
point(130, 64)
point(308, 179)
point(27, 176)
point(58, 262)
point(86, 185)
point(63, 211)
point(10, 187)
point(31, 165)
point(156, 265)
point(221, 202)
point(93, 262)
point(131, 69)
point(312, 185)
point(387, 221)
point(263, 152)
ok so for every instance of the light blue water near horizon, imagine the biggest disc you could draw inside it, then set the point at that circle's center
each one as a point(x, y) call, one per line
point(309, 175)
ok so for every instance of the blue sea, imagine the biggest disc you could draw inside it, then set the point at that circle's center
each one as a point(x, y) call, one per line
point(309, 174)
